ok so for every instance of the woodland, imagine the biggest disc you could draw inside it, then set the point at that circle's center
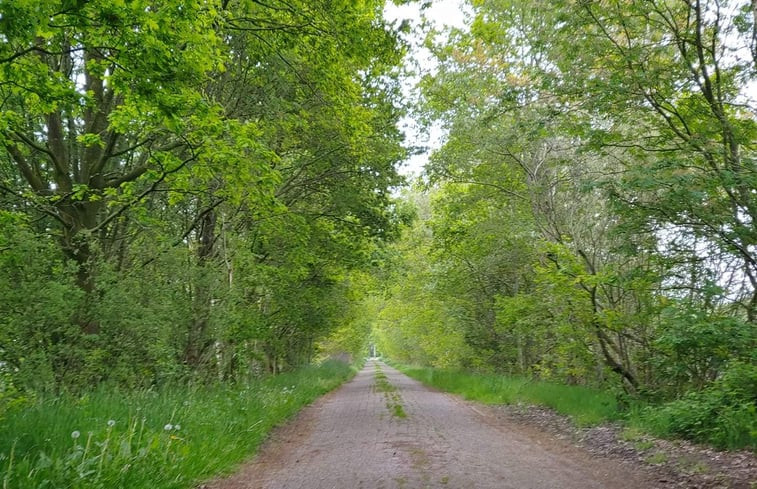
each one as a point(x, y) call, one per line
point(189, 188)
point(208, 191)
point(590, 217)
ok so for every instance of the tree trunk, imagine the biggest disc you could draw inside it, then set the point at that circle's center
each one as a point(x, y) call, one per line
point(197, 338)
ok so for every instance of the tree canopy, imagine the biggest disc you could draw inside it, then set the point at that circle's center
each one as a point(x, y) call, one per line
point(590, 217)
point(189, 188)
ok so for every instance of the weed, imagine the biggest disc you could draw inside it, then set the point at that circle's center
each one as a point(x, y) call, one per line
point(631, 434)
point(399, 411)
point(643, 445)
point(657, 458)
point(393, 399)
point(383, 385)
point(692, 466)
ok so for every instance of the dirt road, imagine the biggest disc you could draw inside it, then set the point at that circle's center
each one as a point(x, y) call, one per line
point(358, 438)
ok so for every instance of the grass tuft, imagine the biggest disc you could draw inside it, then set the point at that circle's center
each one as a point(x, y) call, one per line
point(398, 411)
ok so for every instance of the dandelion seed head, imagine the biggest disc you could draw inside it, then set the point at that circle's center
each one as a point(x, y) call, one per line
point(168, 427)
point(111, 422)
point(177, 427)
point(75, 434)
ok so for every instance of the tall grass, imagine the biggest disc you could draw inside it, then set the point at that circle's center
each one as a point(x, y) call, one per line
point(585, 405)
point(170, 438)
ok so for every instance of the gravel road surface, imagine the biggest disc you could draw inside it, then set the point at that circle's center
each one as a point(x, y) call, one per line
point(356, 438)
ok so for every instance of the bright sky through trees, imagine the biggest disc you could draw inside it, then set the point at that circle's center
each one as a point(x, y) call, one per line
point(440, 14)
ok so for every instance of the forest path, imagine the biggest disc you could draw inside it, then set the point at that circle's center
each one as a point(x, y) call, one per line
point(355, 438)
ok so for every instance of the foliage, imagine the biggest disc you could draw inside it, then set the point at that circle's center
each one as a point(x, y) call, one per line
point(696, 348)
point(195, 191)
point(189, 189)
point(590, 216)
point(413, 324)
point(724, 414)
point(38, 342)
point(594, 186)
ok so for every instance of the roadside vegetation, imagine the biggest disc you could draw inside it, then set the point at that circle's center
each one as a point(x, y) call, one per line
point(190, 215)
point(189, 222)
point(585, 405)
point(194, 202)
point(721, 416)
point(173, 437)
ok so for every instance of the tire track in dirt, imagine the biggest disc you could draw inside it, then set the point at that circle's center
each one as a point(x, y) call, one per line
point(349, 439)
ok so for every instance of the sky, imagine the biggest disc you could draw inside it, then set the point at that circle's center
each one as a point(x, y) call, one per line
point(441, 13)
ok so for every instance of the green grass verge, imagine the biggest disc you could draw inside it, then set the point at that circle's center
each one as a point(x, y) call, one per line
point(722, 416)
point(171, 438)
point(585, 405)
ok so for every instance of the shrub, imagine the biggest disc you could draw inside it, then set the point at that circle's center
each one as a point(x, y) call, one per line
point(724, 414)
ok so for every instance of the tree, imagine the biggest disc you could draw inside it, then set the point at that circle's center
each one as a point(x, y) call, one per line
point(214, 170)
point(103, 105)
point(669, 80)
point(571, 118)
point(414, 322)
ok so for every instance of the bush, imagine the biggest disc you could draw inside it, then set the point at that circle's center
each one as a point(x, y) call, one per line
point(38, 341)
point(723, 415)
point(695, 347)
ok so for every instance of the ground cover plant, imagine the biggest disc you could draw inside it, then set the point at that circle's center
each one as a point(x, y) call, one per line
point(393, 398)
point(585, 405)
point(167, 438)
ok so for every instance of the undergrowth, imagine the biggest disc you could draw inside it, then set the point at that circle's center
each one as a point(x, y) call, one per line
point(156, 439)
point(723, 415)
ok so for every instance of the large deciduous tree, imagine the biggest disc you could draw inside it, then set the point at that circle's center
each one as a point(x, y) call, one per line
point(103, 104)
